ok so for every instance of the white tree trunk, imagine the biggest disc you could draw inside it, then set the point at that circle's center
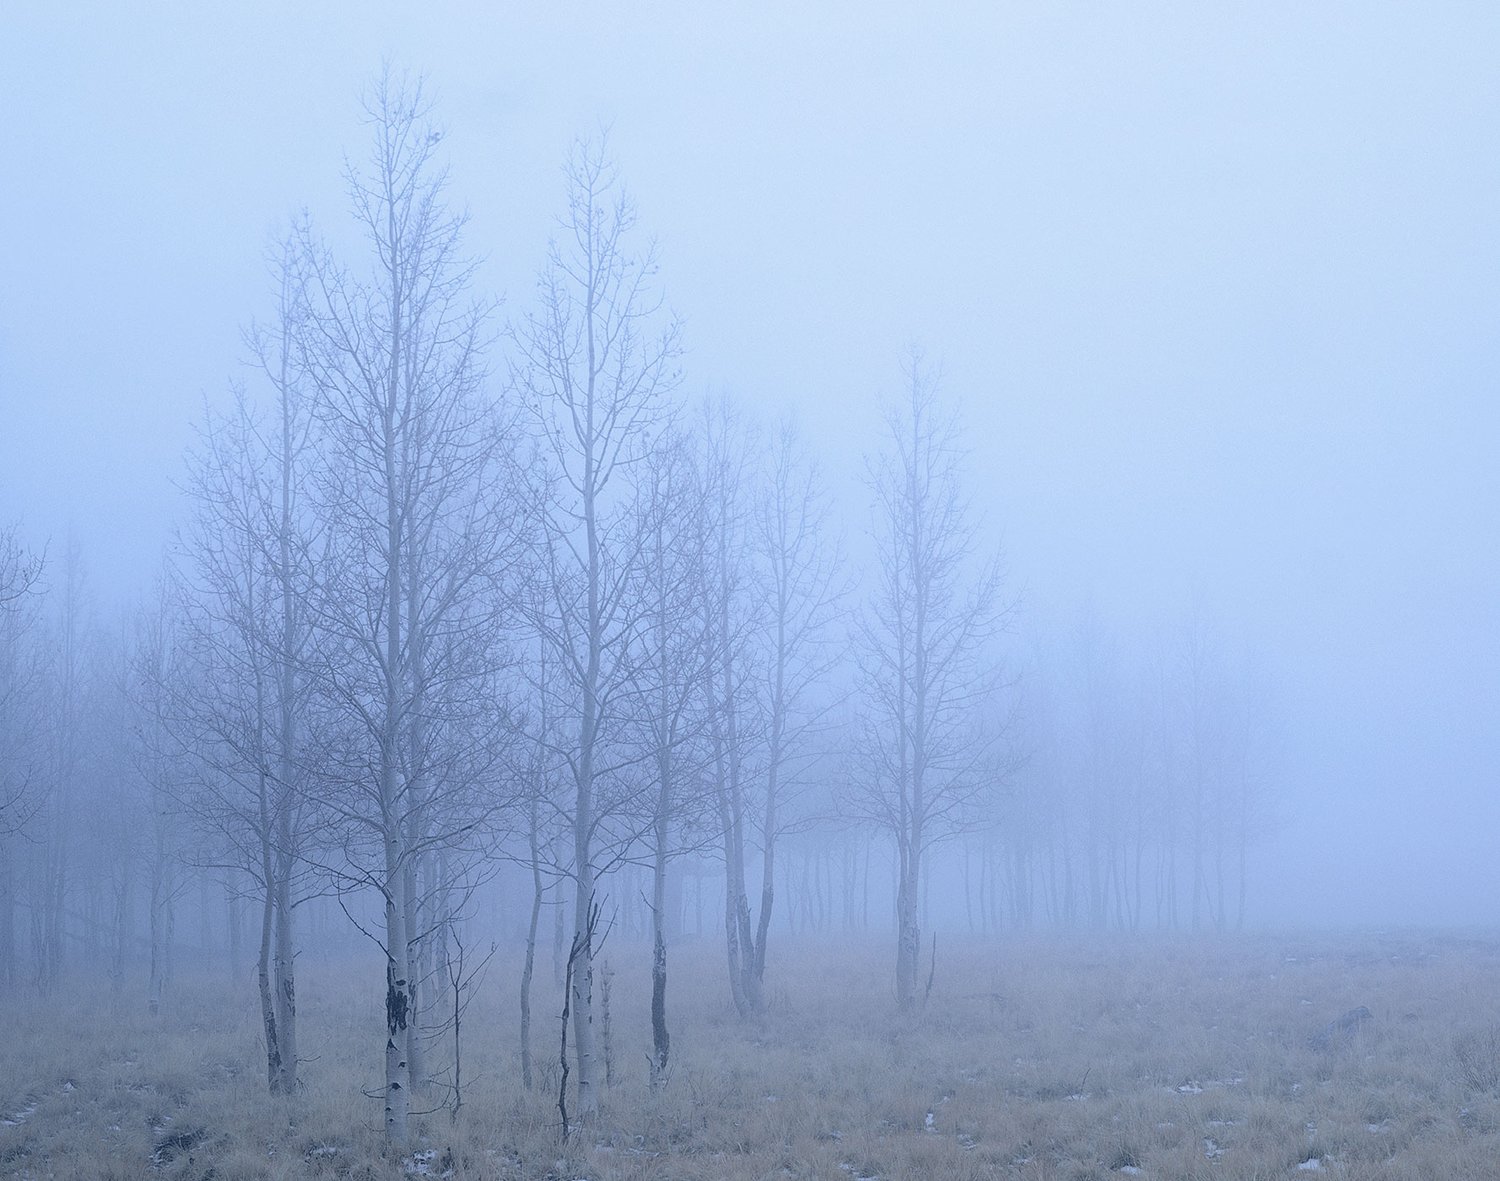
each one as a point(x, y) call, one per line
point(397, 993)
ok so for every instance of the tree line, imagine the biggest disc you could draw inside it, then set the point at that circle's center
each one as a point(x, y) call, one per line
point(453, 593)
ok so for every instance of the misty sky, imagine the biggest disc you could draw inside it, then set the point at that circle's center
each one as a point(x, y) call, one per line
point(1217, 287)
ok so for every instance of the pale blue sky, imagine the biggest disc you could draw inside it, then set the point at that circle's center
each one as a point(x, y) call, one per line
point(1217, 285)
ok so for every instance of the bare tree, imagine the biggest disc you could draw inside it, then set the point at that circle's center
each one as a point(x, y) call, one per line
point(409, 601)
point(160, 764)
point(731, 621)
point(543, 788)
point(595, 378)
point(244, 702)
point(670, 679)
point(20, 570)
point(1201, 716)
point(1226, 757)
point(932, 722)
point(21, 704)
point(804, 592)
point(67, 645)
point(20, 587)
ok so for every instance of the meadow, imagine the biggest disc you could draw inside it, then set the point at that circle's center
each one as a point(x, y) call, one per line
point(1034, 1058)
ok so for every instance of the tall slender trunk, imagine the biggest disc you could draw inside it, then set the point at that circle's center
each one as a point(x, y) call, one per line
point(734, 876)
point(738, 931)
point(581, 954)
point(417, 919)
point(265, 987)
point(269, 801)
point(773, 789)
point(286, 980)
point(531, 930)
point(7, 914)
point(161, 929)
point(397, 989)
point(908, 934)
point(234, 921)
point(285, 858)
point(660, 1039)
point(1239, 913)
point(420, 919)
point(120, 928)
point(581, 986)
point(394, 800)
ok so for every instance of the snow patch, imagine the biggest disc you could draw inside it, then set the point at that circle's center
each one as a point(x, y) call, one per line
point(17, 1118)
point(1195, 1087)
point(422, 1164)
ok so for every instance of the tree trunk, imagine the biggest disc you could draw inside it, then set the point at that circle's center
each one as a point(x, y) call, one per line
point(733, 879)
point(234, 920)
point(559, 939)
point(416, 917)
point(7, 914)
point(531, 931)
point(397, 990)
point(120, 929)
point(286, 981)
point(582, 998)
point(908, 934)
point(161, 935)
point(268, 991)
point(660, 1040)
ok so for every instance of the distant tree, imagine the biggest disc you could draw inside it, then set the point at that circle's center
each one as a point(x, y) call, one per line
point(113, 841)
point(67, 663)
point(932, 727)
point(20, 570)
point(21, 718)
point(1226, 757)
point(1253, 767)
point(161, 765)
point(731, 604)
point(1201, 717)
point(20, 598)
point(803, 588)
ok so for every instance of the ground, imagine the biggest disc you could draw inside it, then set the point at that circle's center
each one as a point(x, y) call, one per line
point(1037, 1058)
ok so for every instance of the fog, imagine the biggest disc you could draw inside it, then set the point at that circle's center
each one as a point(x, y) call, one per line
point(1213, 293)
point(964, 537)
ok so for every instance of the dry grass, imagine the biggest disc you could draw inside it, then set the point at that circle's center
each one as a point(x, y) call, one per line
point(1046, 1059)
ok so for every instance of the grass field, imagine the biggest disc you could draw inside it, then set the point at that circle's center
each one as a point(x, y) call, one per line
point(1165, 1058)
